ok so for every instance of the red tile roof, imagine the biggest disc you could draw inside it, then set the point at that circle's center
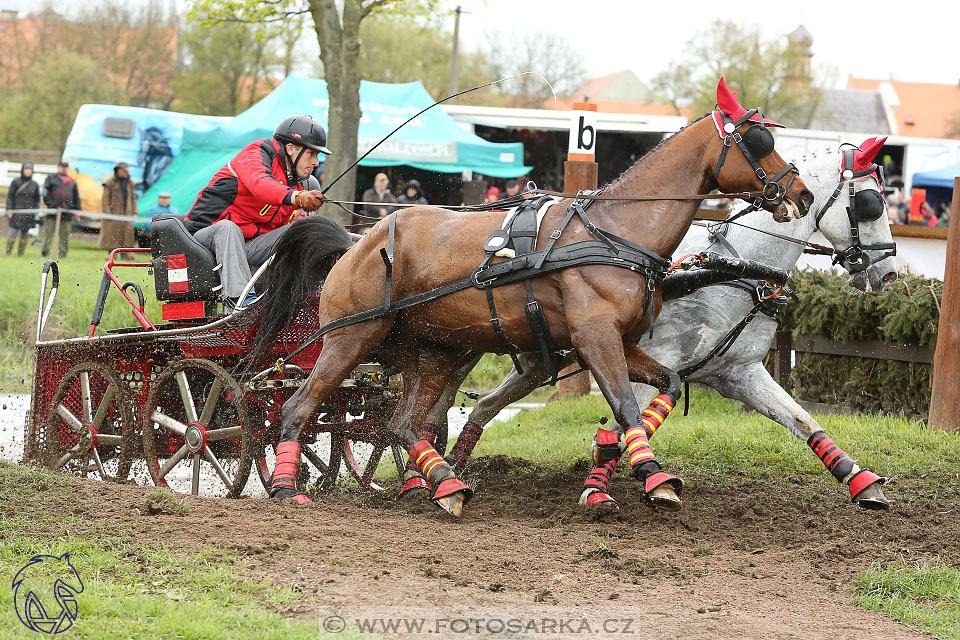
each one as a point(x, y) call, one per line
point(925, 109)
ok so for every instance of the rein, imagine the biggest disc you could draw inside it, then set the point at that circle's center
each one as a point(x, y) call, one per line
point(811, 247)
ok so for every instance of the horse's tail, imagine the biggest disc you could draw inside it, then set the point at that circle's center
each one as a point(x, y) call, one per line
point(302, 259)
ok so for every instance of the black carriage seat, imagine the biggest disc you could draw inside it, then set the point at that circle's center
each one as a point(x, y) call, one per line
point(184, 270)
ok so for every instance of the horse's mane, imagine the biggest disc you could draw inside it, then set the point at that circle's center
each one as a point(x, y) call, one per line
point(617, 182)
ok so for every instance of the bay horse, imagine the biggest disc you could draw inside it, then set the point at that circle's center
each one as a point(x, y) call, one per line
point(692, 330)
point(599, 310)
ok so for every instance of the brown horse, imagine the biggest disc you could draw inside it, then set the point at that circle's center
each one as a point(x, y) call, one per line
point(598, 310)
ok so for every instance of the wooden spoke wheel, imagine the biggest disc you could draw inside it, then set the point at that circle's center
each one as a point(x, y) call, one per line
point(336, 454)
point(318, 470)
point(89, 427)
point(197, 436)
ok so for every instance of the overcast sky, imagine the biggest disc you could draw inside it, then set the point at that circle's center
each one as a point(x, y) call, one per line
point(913, 41)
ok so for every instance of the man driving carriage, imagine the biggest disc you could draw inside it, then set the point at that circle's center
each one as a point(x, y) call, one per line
point(247, 205)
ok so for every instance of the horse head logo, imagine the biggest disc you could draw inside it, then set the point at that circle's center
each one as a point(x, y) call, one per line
point(45, 593)
point(155, 156)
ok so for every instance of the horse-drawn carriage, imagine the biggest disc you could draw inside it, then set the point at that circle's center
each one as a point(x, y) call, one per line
point(411, 295)
point(176, 399)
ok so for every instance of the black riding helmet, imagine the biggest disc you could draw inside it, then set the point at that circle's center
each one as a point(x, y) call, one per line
point(305, 132)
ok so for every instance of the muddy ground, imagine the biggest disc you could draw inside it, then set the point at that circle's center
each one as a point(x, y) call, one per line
point(775, 557)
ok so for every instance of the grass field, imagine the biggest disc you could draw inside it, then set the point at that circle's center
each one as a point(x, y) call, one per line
point(80, 274)
point(133, 590)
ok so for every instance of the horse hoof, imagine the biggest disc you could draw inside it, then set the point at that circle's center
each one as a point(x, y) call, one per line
point(872, 498)
point(598, 502)
point(664, 498)
point(452, 504)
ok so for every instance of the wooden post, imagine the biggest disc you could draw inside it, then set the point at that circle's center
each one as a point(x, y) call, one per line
point(944, 390)
point(580, 172)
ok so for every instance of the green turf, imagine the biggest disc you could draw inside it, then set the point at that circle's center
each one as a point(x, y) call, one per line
point(925, 596)
point(80, 275)
point(135, 590)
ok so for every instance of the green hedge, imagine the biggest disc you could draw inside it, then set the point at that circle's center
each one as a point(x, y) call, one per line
point(905, 313)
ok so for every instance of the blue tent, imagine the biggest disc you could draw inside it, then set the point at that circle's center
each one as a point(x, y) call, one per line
point(432, 142)
point(942, 178)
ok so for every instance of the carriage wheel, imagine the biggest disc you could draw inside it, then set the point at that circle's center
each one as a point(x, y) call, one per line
point(321, 462)
point(363, 456)
point(318, 470)
point(196, 414)
point(89, 428)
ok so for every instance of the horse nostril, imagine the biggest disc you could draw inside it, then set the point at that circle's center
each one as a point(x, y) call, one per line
point(806, 198)
point(890, 276)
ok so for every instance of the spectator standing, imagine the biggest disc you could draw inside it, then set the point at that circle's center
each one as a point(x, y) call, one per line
point(511, 188)
point(493, 194)
point(119, 199)
point(378, 196)
point(412, 194)
point(24, 193)
point(59, 192)
point(163, 206)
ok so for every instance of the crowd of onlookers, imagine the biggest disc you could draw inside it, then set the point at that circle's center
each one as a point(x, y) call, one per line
point(900, 211)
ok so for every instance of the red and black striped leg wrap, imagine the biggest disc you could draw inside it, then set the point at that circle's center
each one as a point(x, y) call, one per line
point(284, 484)
point(596, 485)
point(654, 415)
point(645, 466)
point(463, 449)
point(840, 464)
point(437, 472)
point(413, 479)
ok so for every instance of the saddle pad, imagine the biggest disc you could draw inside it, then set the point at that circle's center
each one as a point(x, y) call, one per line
point(508, 252)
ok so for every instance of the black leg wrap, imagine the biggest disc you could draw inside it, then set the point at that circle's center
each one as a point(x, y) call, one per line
point(644, 469)
point(282, 493)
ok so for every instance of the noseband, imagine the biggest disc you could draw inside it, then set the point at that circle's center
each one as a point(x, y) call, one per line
point(756, 143)
point(870, 209)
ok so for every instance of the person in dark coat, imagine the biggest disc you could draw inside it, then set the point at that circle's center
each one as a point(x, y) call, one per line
point(379, 197)
point(412, 194)
point(119, 198)
point(59, 192)
point(24, 193)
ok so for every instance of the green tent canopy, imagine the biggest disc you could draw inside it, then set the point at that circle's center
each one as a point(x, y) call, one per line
point(432, 142)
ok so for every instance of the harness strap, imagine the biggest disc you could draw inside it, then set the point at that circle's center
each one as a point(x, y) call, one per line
point(541, 331)
point(498, 329)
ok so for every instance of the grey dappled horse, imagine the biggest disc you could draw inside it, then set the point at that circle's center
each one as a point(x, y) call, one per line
point(688, 328)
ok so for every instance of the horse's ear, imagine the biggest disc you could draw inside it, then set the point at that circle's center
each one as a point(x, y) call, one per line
point(870, 148)
point(726, 99)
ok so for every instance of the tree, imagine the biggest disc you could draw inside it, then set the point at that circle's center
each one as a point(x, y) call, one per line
point(953, 126)
point(766, 73)
point(222, 67)
point(543, 52)
point(33, 118)
point(405, 49)
point(134, 43)
point(337, 27)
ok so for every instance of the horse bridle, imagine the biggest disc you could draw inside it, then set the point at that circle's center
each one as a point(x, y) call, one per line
point(855, 257)
point(756, 143)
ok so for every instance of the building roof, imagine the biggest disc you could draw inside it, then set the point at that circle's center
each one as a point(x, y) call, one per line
point(621, 93)
point(851, 111)
point(924, 110)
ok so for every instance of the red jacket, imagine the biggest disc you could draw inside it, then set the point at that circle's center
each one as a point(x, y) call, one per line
point(249, 190)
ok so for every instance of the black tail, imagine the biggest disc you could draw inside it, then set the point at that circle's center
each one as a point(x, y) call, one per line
point(302, 259)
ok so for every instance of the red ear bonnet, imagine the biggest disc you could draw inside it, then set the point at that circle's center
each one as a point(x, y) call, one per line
point(727, 103)
point(864, 156)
